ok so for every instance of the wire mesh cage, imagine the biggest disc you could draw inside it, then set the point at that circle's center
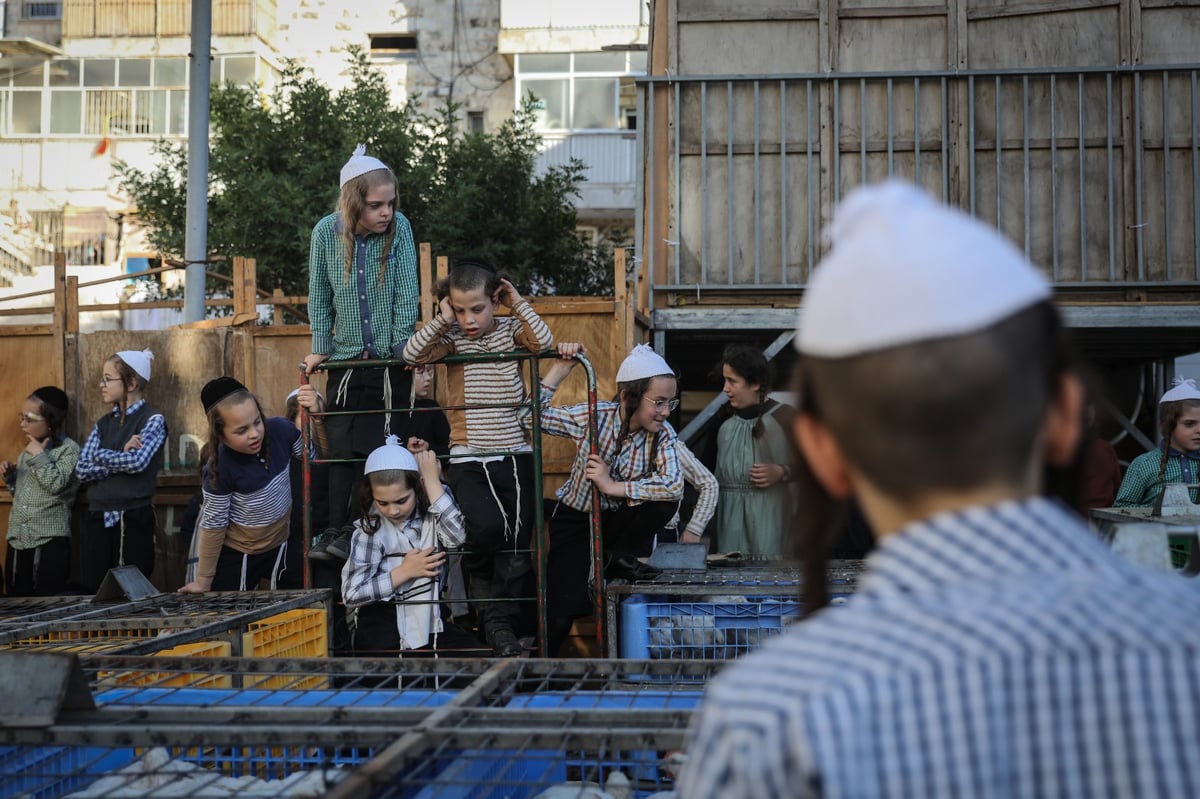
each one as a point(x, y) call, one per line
point(716, 614)
point(256, 623)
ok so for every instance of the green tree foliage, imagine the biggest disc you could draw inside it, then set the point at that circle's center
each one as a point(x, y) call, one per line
point(273, 172)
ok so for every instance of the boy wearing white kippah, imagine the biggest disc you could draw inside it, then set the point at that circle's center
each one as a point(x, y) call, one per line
point(995, 647)
point(119, 466)
point(635, 468)
point(1177, 457)
point(362, 305)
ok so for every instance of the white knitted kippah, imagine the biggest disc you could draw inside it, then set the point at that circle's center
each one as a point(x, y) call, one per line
point(138, 361)
point(360, 164)
point(1184, 389)
point(903, 268)
point(392, 455)
point(642, 362)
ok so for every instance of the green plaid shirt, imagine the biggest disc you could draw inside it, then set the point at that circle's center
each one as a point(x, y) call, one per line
point(43, 494)
point(1142, 485)
point(334, 302)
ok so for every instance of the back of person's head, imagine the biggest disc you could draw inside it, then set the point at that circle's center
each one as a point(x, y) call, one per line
point(930, 351)
point(467, 275)
point(929, 345)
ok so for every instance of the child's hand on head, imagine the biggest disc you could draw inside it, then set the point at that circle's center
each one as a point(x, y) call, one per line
point(134, 442)
point(507, 294)
point(447, 310)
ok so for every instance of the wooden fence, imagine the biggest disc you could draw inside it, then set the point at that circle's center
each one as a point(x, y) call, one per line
point(264, 357)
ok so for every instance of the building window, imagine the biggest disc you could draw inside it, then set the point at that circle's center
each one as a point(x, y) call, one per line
point(41, 10)
point(393, 44)
point(117, 97)
point(475, 121)
point(579, 91)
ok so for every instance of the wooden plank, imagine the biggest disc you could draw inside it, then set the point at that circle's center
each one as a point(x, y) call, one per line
point(621, 336)
point(425, 281)
point(26, 330)
point(71, 311)
point(1032, 9)
point(58, 321)
point(224, 321)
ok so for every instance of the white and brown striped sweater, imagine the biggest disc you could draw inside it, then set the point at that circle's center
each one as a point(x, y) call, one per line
point(489, 383)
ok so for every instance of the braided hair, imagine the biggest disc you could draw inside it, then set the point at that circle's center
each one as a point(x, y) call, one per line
point(1169, 414)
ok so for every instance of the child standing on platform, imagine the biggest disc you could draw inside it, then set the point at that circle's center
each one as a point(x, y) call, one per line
point(394, 577)
point(1177, 458)
point(43, 486)
point(635, 468)
point(119, 465)
point(242, 533)
point(753, 459)
point(362, 303)
point(494, 487)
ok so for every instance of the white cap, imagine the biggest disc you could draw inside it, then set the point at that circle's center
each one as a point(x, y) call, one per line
point(138, 361)
point(642, 362)
point(1185, 389)
point(390, 456)
point(360, 164)
point(903, 268)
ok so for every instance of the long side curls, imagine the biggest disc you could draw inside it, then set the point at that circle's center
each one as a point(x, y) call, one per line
point(216, 429)
point(387, 477)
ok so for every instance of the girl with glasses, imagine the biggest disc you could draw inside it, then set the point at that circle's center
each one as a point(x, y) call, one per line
point(635, 468)
point(43, 486)
point(119, 465)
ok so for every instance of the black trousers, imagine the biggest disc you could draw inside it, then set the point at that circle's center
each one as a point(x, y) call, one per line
point(354, 436)
point(41, 571)
point(375, 635)
point(627, 530)
point(130, 541)
point(259, 566)
point(496, 500)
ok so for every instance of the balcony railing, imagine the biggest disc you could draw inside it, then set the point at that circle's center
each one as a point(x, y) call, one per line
point(1094, 173)
point(610, 159)
point(83, 19)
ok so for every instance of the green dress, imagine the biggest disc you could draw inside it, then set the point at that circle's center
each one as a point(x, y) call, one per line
point(752, 520)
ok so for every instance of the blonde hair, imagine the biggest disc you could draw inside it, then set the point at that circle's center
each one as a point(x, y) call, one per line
point(350, 205)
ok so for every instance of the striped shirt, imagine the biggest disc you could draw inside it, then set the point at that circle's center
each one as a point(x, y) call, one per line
point(707, 488)
point(1142, 485)
point(335, 301)
point(629, 461)
point(993, 652)
point(497, 383)
point(43, 488)
point(248, 507)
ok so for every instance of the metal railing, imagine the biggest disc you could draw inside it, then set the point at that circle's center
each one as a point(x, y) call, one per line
point(540, 537)
point(1094, 172)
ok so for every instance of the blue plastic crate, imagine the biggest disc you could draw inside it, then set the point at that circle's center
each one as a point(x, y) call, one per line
point(509, 774)
point(706, 628)
point(609, 700)
point(214, 697)
point(47, 772)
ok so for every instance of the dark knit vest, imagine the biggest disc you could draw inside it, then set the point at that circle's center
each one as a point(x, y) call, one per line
point(124, 491)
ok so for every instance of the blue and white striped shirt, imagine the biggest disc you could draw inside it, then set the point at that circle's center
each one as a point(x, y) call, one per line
point(991, 652)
